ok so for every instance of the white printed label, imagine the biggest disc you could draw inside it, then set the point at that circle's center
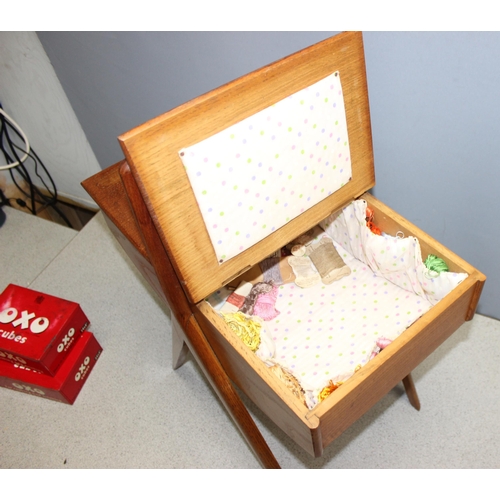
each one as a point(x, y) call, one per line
point(83, 369)
point(38, 325)
point(28, 388)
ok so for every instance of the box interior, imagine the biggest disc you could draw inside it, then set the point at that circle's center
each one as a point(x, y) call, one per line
point(315, 337)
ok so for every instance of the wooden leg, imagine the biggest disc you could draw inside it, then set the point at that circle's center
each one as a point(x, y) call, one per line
point(411, 391)
point(192, 334)
point(180, 350)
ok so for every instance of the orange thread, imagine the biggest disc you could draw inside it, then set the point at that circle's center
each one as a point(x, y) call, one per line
point(369, 222)
point(326, 391)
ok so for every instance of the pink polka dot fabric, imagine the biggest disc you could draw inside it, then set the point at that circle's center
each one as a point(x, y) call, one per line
point(259, 174)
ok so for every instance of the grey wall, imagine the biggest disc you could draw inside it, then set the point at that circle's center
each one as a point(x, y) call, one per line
point(434, 101)
point(118, 80)
point(32, 95)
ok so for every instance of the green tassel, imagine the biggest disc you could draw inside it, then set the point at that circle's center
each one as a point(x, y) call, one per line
point(436, 264)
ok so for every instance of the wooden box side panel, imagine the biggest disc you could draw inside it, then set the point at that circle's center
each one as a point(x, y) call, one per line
point(380, 375)
point(251, 375)
point(141, 263)
point(107, 190)
point(152, 152)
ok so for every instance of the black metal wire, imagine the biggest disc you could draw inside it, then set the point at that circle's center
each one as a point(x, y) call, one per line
point(10, 151)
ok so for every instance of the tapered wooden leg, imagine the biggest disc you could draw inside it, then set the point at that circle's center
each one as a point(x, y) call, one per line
point(192, 335)
point(411, 391)
point(180, 350)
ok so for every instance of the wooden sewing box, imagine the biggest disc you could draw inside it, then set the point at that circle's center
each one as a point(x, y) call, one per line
point(149, 205)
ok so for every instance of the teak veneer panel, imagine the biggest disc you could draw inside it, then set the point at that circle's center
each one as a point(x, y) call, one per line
point(152, 153)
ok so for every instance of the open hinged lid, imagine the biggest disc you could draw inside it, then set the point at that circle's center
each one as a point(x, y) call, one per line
point(239, 172)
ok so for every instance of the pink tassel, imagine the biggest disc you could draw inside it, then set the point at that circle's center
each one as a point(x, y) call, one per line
point(382, 342)
point(264, 306)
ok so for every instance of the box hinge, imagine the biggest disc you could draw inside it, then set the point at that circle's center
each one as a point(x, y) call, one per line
point(239, 273)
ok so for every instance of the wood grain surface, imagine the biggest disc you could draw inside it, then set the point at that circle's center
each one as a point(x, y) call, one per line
point(152, 153)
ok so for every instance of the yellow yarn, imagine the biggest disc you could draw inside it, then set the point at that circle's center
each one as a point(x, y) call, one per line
point(246, 328)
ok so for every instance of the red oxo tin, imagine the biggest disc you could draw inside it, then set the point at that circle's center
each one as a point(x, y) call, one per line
point(38, 330)
point(66, 384)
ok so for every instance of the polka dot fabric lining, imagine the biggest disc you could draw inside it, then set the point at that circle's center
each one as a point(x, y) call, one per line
point(399, 260)
point(255, 176)
point(324, 332)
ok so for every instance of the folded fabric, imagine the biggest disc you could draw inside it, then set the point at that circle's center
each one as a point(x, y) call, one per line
point(251, 299)
point(234, 301)
point(247, 329)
